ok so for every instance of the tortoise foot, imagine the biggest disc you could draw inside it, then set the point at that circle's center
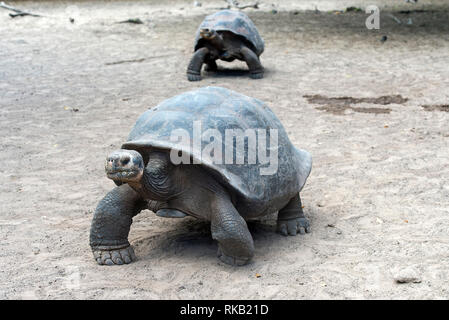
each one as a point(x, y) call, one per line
point(258, 75)
point(193, 77)
point(233, 261)
point(114, 256)
point(293, 226)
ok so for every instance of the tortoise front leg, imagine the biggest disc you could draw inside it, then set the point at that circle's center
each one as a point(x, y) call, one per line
point(111, 223)
point(235, 243)
point(255, 67)
point(194, 68)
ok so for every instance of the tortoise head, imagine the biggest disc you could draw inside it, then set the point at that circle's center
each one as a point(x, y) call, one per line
point(207, 33)
point(124, 166)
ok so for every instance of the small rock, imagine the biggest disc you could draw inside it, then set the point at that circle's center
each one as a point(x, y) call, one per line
point(383, 39)
point(348, 111)
point(197, 4)
point(407, 275)
point(132, 21)
point(353, 9)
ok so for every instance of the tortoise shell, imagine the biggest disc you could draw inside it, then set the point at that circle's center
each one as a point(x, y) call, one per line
point(236, 22)
point(221, 109)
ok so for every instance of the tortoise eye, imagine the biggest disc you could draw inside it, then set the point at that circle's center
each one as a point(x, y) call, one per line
point(125, 161)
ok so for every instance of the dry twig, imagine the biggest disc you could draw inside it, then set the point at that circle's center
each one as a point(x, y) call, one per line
point(18, 12)
point(235, 4)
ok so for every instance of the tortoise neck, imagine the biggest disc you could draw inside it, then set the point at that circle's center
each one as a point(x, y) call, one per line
point(156, 181)
point(217, 41)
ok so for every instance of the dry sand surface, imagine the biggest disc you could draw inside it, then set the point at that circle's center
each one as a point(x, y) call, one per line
point(377, 198)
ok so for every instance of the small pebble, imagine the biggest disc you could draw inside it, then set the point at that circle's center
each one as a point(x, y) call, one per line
point(407, 275)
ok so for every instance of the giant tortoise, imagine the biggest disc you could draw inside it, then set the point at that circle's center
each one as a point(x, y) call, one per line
point(178, 177)
point(226, 35)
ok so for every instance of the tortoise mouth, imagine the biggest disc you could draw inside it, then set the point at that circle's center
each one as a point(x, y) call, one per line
point(123, 174)
point(206, 33)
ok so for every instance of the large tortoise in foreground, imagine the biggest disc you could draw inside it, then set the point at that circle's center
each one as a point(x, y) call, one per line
point(226, 35)
point(178, 177)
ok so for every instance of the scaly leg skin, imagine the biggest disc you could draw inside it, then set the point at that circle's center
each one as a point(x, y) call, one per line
point(211, 66)
point(194, 68)
point(235, 243)
point(111, 223)
point(291, 219)
point(256, 69)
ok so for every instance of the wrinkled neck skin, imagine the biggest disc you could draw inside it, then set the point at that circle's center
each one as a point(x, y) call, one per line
point(160, 180)
point(225, 46)
point(217, 42)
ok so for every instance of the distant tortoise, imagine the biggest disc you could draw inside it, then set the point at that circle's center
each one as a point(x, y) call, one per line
point(226, 35)
point(224, 194)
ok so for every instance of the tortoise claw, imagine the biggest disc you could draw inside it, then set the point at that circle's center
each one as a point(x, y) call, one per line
point(233, 261)
point(293, 226)
point(258, 75)
point(115, 256)
point(193, 77)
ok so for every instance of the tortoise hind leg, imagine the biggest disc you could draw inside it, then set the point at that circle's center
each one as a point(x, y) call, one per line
point(291, 219)
point(111, 223)
point(235, 243)
point(211, 66)
point(194, 68)
point(252, 60)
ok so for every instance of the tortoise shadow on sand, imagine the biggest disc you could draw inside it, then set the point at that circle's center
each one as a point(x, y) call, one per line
point(223, 72)
point(189, 240)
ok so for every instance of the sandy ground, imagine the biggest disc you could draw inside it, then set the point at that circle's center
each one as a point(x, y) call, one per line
point(377, 198)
